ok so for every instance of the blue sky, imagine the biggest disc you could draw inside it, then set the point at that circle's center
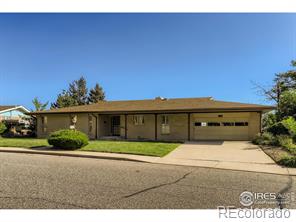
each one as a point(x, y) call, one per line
point(141, 56)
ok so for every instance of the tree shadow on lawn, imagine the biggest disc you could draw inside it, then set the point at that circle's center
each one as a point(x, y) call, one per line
point(49, 148)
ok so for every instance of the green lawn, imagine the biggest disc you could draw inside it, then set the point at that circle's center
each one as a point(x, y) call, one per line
point(141, 148)
point(22, 142)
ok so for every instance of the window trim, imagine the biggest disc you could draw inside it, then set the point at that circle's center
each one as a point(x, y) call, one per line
point(213, 124)
point(165, 119)
point(230, 124)
point(44, 123)
point(241, 124)
point(138, 120)
point(165, 129)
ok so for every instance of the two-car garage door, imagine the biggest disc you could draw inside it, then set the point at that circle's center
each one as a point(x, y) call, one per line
point(226, 126)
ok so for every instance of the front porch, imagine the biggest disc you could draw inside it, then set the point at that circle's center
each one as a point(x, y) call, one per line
point(141, 127)
point(107, 127)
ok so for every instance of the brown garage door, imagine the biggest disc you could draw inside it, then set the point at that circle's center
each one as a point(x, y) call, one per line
point(221, 129)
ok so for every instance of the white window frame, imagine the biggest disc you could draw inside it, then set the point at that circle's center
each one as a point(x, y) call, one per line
point(90, 124)
point(165, 120)
point(44, 123)
point(165, 126)
point(138, 120)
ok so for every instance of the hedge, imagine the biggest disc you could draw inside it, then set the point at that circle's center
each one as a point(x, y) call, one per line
point(68, 139)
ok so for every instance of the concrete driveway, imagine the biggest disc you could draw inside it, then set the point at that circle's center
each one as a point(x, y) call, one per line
point(235, 155)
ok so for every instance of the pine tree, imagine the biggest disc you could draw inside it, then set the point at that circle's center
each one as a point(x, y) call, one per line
point(64, 100)
point(96, 94)
point(77, 94)
point(78, 91)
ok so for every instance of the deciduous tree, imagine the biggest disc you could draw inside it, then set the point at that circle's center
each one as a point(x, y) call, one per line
point(38, 105)
point(282, 83)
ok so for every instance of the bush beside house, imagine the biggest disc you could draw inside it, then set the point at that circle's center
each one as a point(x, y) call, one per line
point(281, 134)
point(3, 128)
point(279, 127)
point(68, 139)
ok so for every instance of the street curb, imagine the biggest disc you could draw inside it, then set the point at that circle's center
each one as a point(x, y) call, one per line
point(72, 155)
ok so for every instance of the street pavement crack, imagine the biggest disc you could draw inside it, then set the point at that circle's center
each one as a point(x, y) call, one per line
point(42, 199)
point(158, 186)
point(280, 195)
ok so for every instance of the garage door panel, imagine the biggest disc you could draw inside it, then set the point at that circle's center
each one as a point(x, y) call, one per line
point(226, 133)
point(221, 132)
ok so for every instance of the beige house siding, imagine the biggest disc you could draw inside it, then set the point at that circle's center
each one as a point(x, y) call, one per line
point(178, 126)
point(145, 131)
point(52, 123)
point(56, 122)
point(83, 124)
point(254, 125)
point(96, 126)
point(104, 126)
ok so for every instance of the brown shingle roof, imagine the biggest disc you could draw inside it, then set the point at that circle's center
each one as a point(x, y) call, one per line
point(6, 107)
point(159, 105)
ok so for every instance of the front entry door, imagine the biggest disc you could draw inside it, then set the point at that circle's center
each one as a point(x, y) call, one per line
point(115, 125)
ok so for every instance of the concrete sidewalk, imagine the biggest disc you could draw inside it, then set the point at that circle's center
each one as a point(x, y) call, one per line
point(85, 154)
point(172, 159)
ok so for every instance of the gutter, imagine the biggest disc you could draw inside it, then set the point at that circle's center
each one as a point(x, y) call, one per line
point(254, 109)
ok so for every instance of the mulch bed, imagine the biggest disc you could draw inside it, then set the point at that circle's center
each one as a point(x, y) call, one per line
point(276, 153)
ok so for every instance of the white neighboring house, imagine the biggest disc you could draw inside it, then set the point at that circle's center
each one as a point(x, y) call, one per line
point(13, 113)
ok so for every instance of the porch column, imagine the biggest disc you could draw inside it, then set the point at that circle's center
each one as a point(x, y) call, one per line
point(188, 114)
point(155, 117)
point(97, 125)
point(125, 126)
point(260, 126)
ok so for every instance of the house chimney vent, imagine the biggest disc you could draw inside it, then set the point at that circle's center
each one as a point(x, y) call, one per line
point(160, 98)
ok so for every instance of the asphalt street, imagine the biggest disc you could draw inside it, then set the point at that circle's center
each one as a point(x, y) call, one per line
point(50, 182)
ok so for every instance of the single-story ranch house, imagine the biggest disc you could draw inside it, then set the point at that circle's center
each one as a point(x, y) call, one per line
point(158, 119)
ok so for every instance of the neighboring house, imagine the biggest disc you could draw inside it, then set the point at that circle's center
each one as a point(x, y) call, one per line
point(12, 113)
point(158, 119)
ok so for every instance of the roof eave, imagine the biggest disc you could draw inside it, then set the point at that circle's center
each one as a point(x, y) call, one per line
point(245, 109)
point(26, 111)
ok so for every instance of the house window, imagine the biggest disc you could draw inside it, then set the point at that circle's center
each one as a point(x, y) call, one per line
point(213, 124)
point(200, 124)
point(44, 123)
point(165, 119)
point(165, 127)
point(197, 124)
point(44, 120)
point(138, 119)
point(228, 124)
point(241, 123)
point(73, 121)
point(90, 123)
